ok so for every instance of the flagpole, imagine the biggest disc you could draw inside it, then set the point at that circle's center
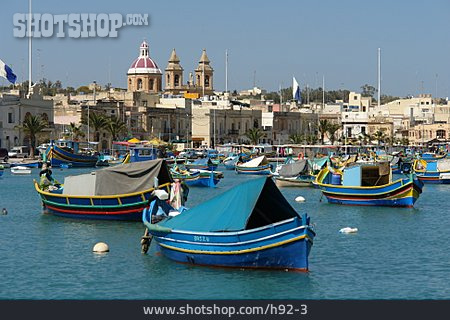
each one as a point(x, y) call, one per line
point(226, 70)
point(379, 76)
point(29, 50)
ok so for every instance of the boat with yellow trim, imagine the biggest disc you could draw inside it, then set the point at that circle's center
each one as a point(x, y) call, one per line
point(249, 226)
point(368, 184)
point(114, 193)
point(63, 153)
point(433, 171)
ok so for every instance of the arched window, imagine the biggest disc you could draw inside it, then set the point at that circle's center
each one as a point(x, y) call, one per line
point(27, 115)
point(206, 81)
point(151, 84)
point(139, 84)
point(198, 79)
point(45, 117)
point(440, 134)
point(255, 123)
point(168, 79)
point(177, 80)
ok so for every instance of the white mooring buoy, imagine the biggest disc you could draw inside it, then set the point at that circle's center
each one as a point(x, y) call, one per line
point(100, 247)
point(300, 199)
point(348, 230)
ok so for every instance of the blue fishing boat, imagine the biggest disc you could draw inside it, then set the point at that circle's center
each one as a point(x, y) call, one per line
point(67, 152)
point(433, 171)
point(1, 170)
point(32, 164)
point(198, 178)
point(249, 226)
point(114, 193)
point(368, 184)
point(230, 162)
point(430, 156)
point(203, 164)
point(259, 166)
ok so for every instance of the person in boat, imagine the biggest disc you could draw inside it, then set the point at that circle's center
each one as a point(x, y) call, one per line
point(46, 178)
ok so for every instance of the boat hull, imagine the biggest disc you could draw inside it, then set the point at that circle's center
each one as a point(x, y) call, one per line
point(284, 245)
point(127, 207)
point(261, 170)
point(289, 182)
point(402, 193)
point(57, 157)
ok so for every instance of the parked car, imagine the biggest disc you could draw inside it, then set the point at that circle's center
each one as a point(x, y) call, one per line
point(19, 152)
point(3, 154)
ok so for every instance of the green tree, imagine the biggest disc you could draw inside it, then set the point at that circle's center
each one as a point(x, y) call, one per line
point(379, 136)
point(323, 128)
point(32, 126)
point(75, 131)
point(84, 89)
point(98, 122)
point(254, 134)
point(368, 90)
point(332, 129)
point(296, 138)
point(115, 127)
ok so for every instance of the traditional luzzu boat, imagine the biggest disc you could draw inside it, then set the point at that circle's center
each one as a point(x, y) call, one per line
point(295, 174)
point(430, 156)
point(258, 165)
point(199, 178)
point(368, 184)
point(249, 226)
point(230, 162)
point(203, 164)
point(114, 193)
point(433, 171)
point(68, 155)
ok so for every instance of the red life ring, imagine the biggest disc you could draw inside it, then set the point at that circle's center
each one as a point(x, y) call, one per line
point(300, 156)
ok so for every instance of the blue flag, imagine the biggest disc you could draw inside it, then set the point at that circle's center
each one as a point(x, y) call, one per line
point(296, 93)
point(7, 73)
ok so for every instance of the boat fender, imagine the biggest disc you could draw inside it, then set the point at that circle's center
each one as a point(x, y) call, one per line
point(348, 230)
point(161, 194)
point(300, 156)
point(300, 199)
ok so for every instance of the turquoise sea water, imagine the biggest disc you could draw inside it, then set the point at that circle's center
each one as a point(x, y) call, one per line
point(397, 253)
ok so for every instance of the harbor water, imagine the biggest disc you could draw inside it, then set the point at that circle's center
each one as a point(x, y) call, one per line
point(397, 253)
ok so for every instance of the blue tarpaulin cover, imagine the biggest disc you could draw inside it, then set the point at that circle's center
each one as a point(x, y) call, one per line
point(252, 204)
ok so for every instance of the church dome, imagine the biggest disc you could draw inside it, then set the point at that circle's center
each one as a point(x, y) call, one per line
point(144, 64)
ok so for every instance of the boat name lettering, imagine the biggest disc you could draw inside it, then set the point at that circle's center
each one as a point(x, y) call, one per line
point(201, 238)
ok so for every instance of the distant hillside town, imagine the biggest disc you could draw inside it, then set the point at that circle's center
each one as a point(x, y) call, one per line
point(188, 110)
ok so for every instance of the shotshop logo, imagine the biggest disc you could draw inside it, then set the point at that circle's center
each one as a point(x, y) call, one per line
point(74, 25)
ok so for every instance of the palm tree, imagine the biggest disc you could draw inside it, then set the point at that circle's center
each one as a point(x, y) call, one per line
point(323, 128)
point(97, 122)
point(115, 127)
point(379, 136)
point(254, 134)
point(332, 129)
point(32, 126)
point(296, 138)
point(75, 131)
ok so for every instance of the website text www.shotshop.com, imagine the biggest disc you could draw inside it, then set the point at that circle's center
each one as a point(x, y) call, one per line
point(267, 309)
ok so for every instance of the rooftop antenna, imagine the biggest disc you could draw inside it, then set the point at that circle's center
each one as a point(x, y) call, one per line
point(254, 78)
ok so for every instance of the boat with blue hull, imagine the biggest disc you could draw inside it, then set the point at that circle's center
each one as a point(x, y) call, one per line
point(202, 164)
point(433, 171)
point(257, 166)
point(368, 184)
point(249, 226)
point(68, 154)
point(114, 193)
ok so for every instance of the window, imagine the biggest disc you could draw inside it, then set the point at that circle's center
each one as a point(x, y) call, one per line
point(177, 80)
point(151, 84)
point(207, 81)
point(139, 84)
point(10, 117)
point(255, 123)
point(440, 134)
point(363, 130)
point(355, 97)
point(45, 117)
point(198, 79)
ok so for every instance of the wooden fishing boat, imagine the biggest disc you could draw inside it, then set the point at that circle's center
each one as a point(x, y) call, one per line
point(368, 184)
point(249, 226)
point(203, 164)
point(258, 165)
point(57, 155)
point(294, 174)
point(199, 178)
point(430, 156)
point(114, 193)
point(433, 171)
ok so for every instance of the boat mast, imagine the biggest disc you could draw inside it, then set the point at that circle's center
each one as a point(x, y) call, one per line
point(379, 76)
point(226, 70)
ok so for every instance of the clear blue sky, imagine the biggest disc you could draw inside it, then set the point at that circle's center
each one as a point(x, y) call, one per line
point(277, 39)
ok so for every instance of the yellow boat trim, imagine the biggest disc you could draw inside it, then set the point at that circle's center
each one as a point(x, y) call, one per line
point(238, 251)
point(36, 186)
